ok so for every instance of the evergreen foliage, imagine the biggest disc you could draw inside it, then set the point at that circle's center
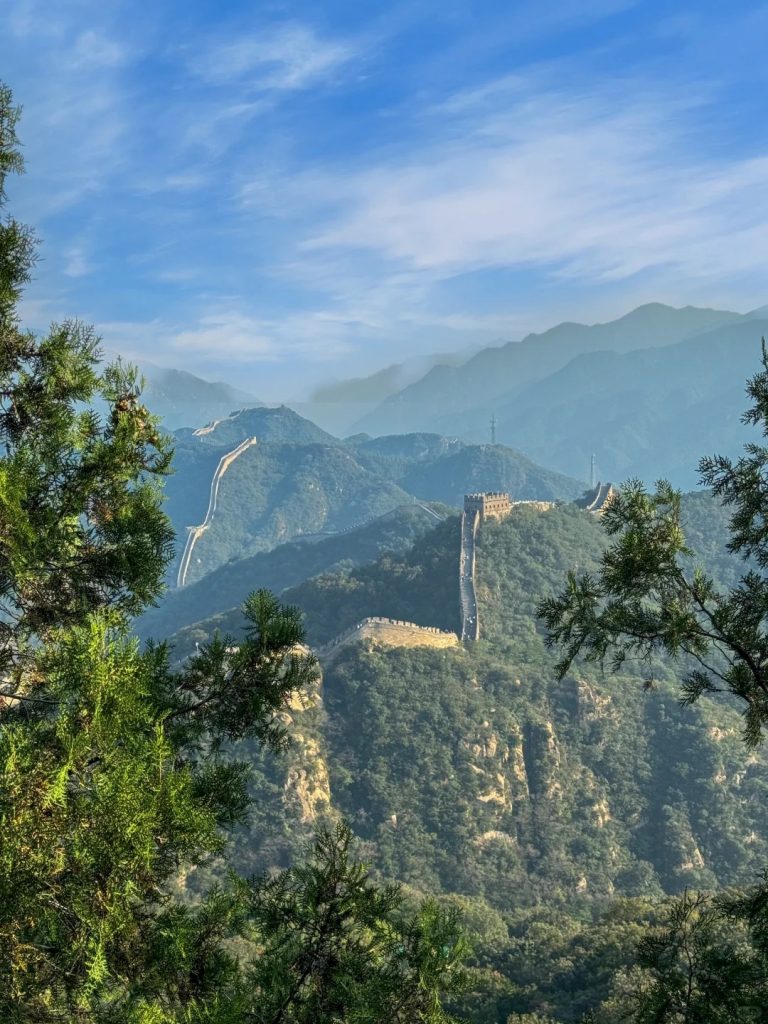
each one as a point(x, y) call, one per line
point(82, 526)
point(337, 948)
point(118, 774)
point(647, 598)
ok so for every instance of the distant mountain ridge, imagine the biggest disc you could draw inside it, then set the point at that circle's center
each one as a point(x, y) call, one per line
point(181, 398)
point(663, 388)
point(269, 423)
point(648, 413)
point(337, 406)
point(296, 479)
point(445, 391)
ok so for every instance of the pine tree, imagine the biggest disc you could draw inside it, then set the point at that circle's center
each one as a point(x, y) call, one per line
point(117, 772)
point(82, 526)
point(648, 599)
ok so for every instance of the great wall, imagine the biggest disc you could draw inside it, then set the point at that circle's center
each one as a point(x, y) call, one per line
point(478, 507)
point(195, 532)
point(482, 506)
point(470, 623)
point(390, 633)
point(597, 499)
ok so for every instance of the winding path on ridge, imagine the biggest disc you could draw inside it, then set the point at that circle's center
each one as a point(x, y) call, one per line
point(195, 532)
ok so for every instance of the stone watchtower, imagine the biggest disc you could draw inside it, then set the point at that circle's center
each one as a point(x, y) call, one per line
point(489, 504)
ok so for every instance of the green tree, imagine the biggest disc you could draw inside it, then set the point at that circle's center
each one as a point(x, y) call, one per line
point(117, 772)
point(82, 526)
point(338, 948)
point(699, 966)
point(647, 599)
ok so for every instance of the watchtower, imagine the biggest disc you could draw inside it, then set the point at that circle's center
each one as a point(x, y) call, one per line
point(490, 504)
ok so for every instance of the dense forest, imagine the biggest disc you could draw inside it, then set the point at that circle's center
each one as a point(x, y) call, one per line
point(477, 775)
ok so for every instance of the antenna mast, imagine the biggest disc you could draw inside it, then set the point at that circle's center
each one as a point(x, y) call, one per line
point(493, 428)
point(592, 471)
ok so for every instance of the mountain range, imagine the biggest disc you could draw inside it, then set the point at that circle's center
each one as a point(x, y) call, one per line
point(182, 398)
point(294, 479)
point(288, 565)
point(446, 393)
point(471, 773)
point(648, 393)
point(473, 770)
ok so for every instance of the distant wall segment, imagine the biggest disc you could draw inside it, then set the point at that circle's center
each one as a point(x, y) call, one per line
point(479, 507)
point(391, 633)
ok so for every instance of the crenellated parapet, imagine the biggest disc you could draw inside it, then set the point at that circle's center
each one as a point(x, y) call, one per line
point(488, 504)
point(391, 633)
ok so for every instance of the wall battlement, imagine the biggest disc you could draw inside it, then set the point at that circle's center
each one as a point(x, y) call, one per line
point(489, 504)
point(391, 633)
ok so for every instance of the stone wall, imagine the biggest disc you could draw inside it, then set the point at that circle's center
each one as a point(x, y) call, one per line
point(393, 633)
point(489, 504)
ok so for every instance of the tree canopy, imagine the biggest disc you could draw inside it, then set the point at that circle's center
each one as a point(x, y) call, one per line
point(648, 597)
point(118, 773)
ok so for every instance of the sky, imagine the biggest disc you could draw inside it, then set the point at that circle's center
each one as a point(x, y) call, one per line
point(283, 194)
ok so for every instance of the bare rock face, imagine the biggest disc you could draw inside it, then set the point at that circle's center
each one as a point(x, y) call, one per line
point(499, 765)
point(307, 789)
point(592, 705)
point(306, 786)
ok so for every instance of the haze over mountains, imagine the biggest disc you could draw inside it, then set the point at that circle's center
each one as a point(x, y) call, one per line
point(649, 394)
point(494, 373)
point(614, 389)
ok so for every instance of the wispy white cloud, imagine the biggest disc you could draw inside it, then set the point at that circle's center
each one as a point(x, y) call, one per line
point(76, 262)
point(275, 58)
point(229, 333)
point(592, 186)
point(217, 125)
point(234, 335)
point(92, 49)
point(213, 199)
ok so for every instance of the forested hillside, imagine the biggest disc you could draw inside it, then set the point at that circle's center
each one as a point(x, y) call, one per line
point(286, 566)
point(282, 477)
point(503, 782)
point(474, 772)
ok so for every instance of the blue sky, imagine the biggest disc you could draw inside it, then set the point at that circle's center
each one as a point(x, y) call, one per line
point(278, 194)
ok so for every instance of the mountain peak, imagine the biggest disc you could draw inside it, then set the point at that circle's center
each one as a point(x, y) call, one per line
point(270, 424)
